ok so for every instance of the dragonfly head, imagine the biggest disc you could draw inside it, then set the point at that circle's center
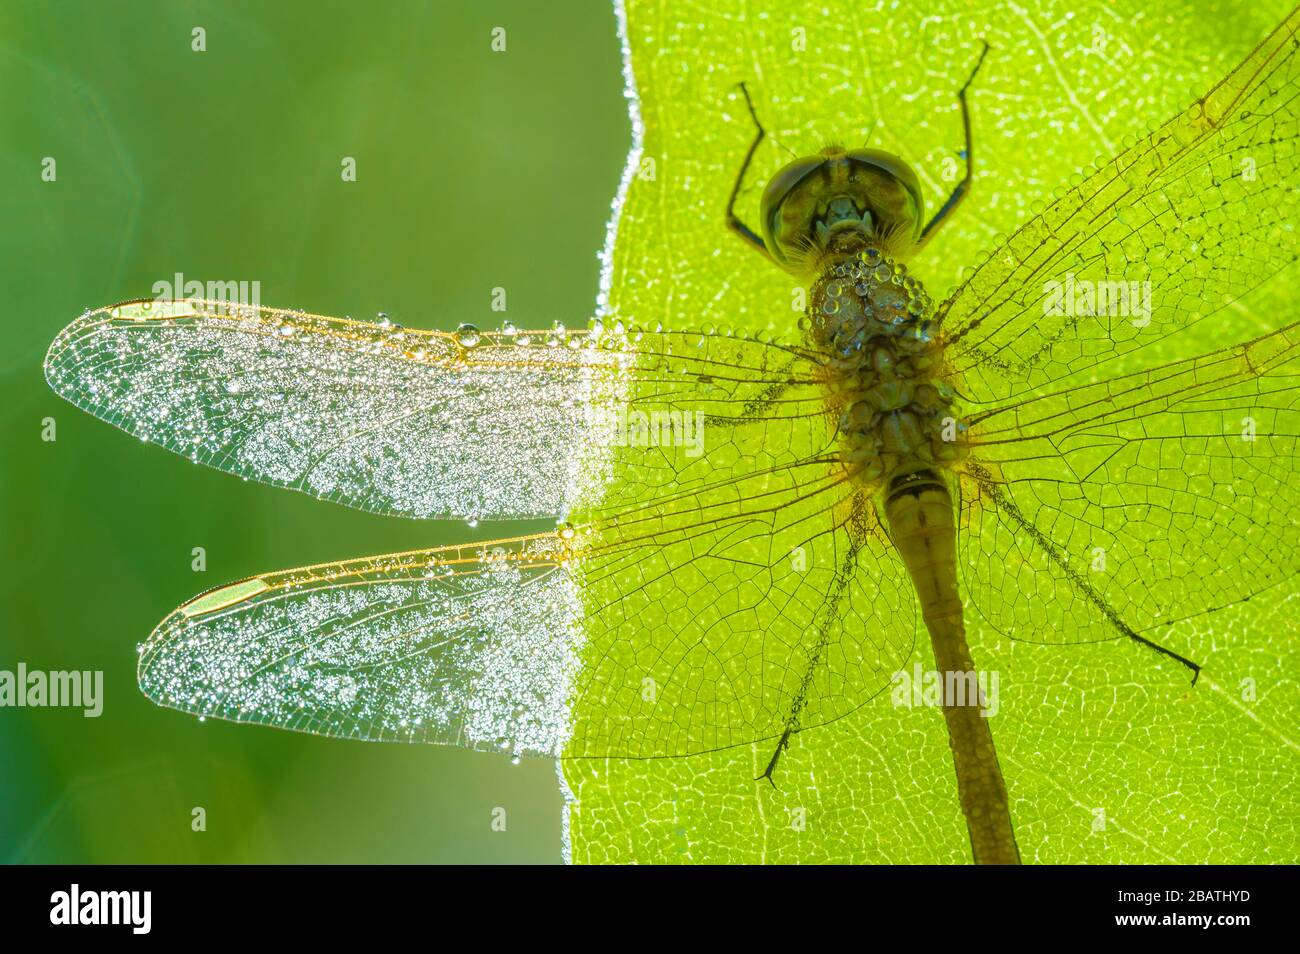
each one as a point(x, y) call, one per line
point(836, 203)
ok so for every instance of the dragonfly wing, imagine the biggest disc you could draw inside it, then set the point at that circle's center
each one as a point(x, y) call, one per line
point(720, 553)
point(546, 646)
point(726, 585)
point(413, 423)
point(1140, 501)
point(449, 646)
point(1203, 209)
point(707, 631)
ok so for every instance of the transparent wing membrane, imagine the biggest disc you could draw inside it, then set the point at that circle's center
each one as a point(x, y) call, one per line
point(667, 639)
point(1139, 501)
point(1177, 226)
point(736, 638)
point(763, 601)
point(382, 418)
point(456, 646)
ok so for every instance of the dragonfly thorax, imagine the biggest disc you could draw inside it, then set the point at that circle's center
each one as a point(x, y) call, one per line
point(872, 323)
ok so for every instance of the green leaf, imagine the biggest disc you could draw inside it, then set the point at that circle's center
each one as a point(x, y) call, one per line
point(1109, 755)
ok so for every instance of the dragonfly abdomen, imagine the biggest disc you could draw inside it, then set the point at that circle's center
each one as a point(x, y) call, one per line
point(919, 510)
point(884, 385)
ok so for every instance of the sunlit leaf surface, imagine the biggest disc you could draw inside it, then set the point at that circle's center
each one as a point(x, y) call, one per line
point(1109, 753)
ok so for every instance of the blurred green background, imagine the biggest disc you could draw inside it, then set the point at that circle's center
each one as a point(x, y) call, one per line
point(475, 169)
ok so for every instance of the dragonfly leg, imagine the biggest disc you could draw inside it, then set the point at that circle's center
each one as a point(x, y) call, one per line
point(770, 771)
point(1009, 507)
point(1164, 651)
point(963, 187)
point(733, 221)
point(857, 533)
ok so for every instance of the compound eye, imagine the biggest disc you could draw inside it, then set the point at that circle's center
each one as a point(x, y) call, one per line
point(896, 169)
point(779, 189)
point(785, 181)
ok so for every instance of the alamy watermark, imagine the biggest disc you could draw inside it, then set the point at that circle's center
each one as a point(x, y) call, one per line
point(176, 288)
point(632, 428)
point(922, 687)
point(35, 688)
point(76, 906)
point(1082, 297)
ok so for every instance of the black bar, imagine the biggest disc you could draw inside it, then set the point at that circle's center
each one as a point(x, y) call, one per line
point(338, 904)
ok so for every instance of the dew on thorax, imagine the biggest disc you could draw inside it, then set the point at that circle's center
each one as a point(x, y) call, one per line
point(872, 323)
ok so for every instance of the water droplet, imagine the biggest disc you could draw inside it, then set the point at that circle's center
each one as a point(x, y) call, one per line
point(468, 336)
point(886, 298)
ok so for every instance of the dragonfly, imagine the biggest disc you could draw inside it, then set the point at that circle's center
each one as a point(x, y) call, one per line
point(752, 530)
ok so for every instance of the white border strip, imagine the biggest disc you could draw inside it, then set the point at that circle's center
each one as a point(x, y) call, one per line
point(629, 170)
point(602, 300)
